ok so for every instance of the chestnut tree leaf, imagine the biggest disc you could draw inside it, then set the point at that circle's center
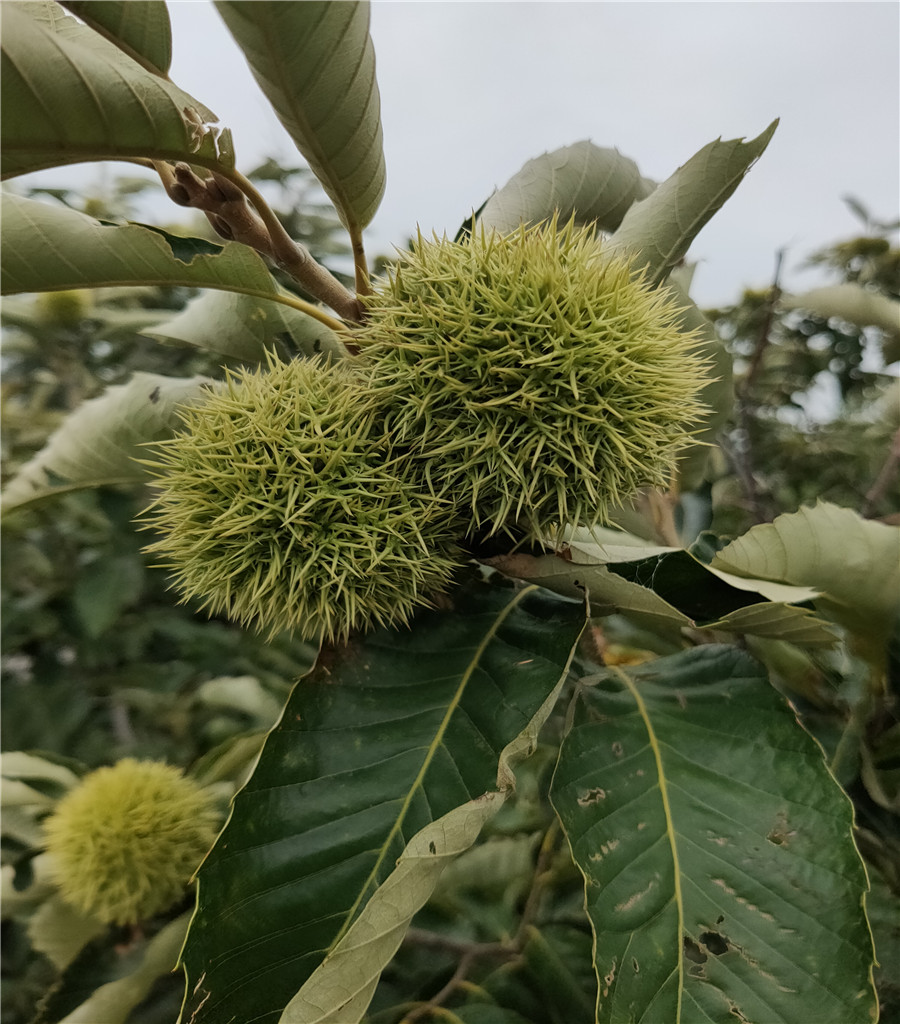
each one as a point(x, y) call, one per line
point(584, 181)
point(98, 443)
point(853, 562)
point(244, 327)
point(399, 741)
point(721, 876)
point(668, 588)
point(340, 989)
point(70, 95)
point(657, 231)
point(143, 31)
point(316, 65)
point(48, 248)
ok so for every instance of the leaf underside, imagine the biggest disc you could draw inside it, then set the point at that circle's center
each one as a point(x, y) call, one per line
point(855, 562)
point(98, 443)
point(667, 592)
point(51, 247)
point(244, 327)
point(583, 181)
point(141, 30)
point(316, 65)
point(384, 737)
point(658, 231)
point(721, 876)
point(70, 95)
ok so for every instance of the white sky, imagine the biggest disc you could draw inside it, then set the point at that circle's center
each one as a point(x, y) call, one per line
point(470, 91)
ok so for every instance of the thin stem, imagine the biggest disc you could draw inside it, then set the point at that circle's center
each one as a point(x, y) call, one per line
point(470, 952)
point(763, 339)
point(538, 881)
point(363, 282)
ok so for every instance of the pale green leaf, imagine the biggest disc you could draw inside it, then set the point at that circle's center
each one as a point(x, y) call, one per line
point(98, 443)
point(47, 248)
point(242, 694)
point(141, 30)
point(851, 302)
point(721, 876)
point(658, 230)
point(113, 1002)
point(22, 902)
point(779, 621)
point(583, 181)
point(316, 65)
point(245, 327)
point(60, 932)
point(853, 562)
point(70, 95)
point(18, 764)
point(666, 588)
point(339, 991)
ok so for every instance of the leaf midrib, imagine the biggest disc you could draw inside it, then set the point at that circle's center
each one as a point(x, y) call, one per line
point(432, 750)
point(627, 682)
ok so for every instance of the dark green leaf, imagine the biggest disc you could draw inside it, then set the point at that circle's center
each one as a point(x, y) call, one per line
point(722, 880)
point(104, 590)
point(399, 738)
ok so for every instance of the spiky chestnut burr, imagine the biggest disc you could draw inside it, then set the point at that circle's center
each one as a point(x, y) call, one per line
point(126, 840)
point(280, 505)
point(534, 378)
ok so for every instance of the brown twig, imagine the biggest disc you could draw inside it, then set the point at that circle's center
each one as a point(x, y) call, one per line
point(238, 212)
point(469, 953)
point(885, 475)
point(296, 260)
point(741, 456)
